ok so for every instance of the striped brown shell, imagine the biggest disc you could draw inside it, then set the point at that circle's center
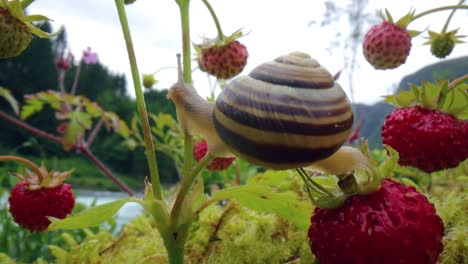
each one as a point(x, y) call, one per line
point(285, 114)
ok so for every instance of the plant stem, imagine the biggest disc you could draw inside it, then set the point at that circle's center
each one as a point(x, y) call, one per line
point(76, 79)
point(444, 29)
point(104, 169)
point(175, 250)
point(187, 68)
point(29, 163)
point(457, 81)
point(185, 187)
point(94, 133)
point(442, 8)
point(31, 129)
point(215, 18)
point(26, 3)
point(150, 151)
point(58, 140)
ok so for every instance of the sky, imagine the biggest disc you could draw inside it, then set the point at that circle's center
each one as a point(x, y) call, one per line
point(274, 28)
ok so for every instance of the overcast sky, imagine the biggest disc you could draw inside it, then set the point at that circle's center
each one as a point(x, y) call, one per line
point(275, 28)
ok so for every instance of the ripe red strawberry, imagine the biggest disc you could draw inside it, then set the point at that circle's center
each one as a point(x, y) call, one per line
point(224, 60)
point(387, 45)
point(394, 224)
point(14, 35)
point(217, 164)
point(429, 140)
point(30, 208)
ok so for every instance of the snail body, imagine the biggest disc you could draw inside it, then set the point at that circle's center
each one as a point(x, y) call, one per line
point(287, 113)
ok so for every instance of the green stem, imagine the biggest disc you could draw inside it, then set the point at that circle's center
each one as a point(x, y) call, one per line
point(442, 8)
point(26, 3)
point(187, 68)
point(175, 250)
point(215, 18)
point(444, 30)
point(29, 163)
point(187, 182)
point(150, 151)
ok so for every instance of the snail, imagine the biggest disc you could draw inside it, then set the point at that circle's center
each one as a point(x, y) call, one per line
point(287, 113)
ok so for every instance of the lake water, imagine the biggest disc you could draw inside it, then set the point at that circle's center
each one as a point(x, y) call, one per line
point(125, 214)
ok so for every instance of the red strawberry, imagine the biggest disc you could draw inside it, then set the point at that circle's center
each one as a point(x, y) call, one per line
point(217, 164)
point(429, 140)
point(39, 195)
point(29, 208)
point(394, 224)
point(224, 60)
point(386, 46)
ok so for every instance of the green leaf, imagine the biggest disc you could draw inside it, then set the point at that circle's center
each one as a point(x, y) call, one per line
point(264, 198)
point(33, 18)
point(90, 217)
point(77, 126)
point(32, 106)
point(5, 93)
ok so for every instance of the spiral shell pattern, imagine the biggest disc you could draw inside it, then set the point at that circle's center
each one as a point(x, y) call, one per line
point(285, 114)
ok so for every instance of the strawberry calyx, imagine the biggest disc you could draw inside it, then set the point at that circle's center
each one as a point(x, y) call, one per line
point(361, 177)
point(219, 41)
point(450, 98)
point(37, 177)
point(46, 179)
point(14, 9)
point(403, 22)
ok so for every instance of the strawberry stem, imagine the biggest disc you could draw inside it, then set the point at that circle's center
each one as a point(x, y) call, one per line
point(29, 163)
point(185, 186)
point(150, 150)
point(442, 8)
point(215, 18)
point(458, 81)
point(444, 29)
point(187, 69)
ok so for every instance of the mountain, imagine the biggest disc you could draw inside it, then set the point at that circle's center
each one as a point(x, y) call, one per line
point(374, 115)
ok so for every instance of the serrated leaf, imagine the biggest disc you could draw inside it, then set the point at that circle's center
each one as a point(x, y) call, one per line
point(5, 93)
point(264, 198)
point(90, 217)
point(32, 106)
point(93, 109)
point(77, 126)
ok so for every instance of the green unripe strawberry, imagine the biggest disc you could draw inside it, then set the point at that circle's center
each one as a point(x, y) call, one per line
point(16, 29)
point(443, 43)
point(14, 35)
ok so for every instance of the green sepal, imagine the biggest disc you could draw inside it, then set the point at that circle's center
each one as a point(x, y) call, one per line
point(406, 19)
point(90, 217)
point(436, 96)
point(15, 9)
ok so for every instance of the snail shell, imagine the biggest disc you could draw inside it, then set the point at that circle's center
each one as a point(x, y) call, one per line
point(285, 114)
